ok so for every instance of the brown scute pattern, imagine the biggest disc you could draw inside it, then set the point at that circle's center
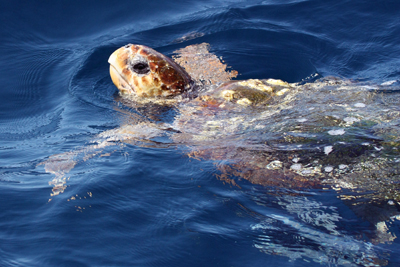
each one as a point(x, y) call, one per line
point(124, 58)
point(126, 72)
point(156, 82)
point(178, 86)
point(144, 51)
point(134, 48)
point(153, 66)
point(167, 75)
point(145, 81)
point(136, 83)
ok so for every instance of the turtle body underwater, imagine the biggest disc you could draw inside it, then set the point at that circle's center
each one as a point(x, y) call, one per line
point(320, 130)
point(328, 134)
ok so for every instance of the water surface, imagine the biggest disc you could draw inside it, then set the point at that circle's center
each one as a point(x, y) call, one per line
point(150, 204)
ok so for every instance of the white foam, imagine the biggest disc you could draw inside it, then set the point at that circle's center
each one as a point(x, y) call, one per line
point(337, 132)
point(342, 166)
point(328, 169)
point(360, 105)
point(389, 82)
point(328, 149)
point(350, 119)
point(296, 167)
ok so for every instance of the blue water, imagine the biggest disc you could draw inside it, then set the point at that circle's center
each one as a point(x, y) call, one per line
point(151, 205)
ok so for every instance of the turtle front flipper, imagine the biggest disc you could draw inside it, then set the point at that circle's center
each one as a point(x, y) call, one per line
point(106, 143)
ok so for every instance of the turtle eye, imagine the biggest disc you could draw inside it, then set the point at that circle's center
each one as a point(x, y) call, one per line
point(141, 68)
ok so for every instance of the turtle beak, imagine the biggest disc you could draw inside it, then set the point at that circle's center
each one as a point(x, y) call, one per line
point(117, 65)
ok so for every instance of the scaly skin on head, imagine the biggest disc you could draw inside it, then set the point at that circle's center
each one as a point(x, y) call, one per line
point(140, 70)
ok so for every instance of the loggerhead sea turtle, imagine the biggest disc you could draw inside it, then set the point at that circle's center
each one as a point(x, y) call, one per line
point(330, 133)
point(312, 129)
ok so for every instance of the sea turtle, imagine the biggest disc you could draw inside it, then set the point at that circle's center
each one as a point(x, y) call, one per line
point(314, 129)
point(330, 133)
point(333, 132)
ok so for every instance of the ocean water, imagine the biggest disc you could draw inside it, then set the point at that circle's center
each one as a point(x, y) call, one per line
point(150, 203)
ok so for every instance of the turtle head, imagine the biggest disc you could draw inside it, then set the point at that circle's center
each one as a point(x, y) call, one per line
point(140, 70)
